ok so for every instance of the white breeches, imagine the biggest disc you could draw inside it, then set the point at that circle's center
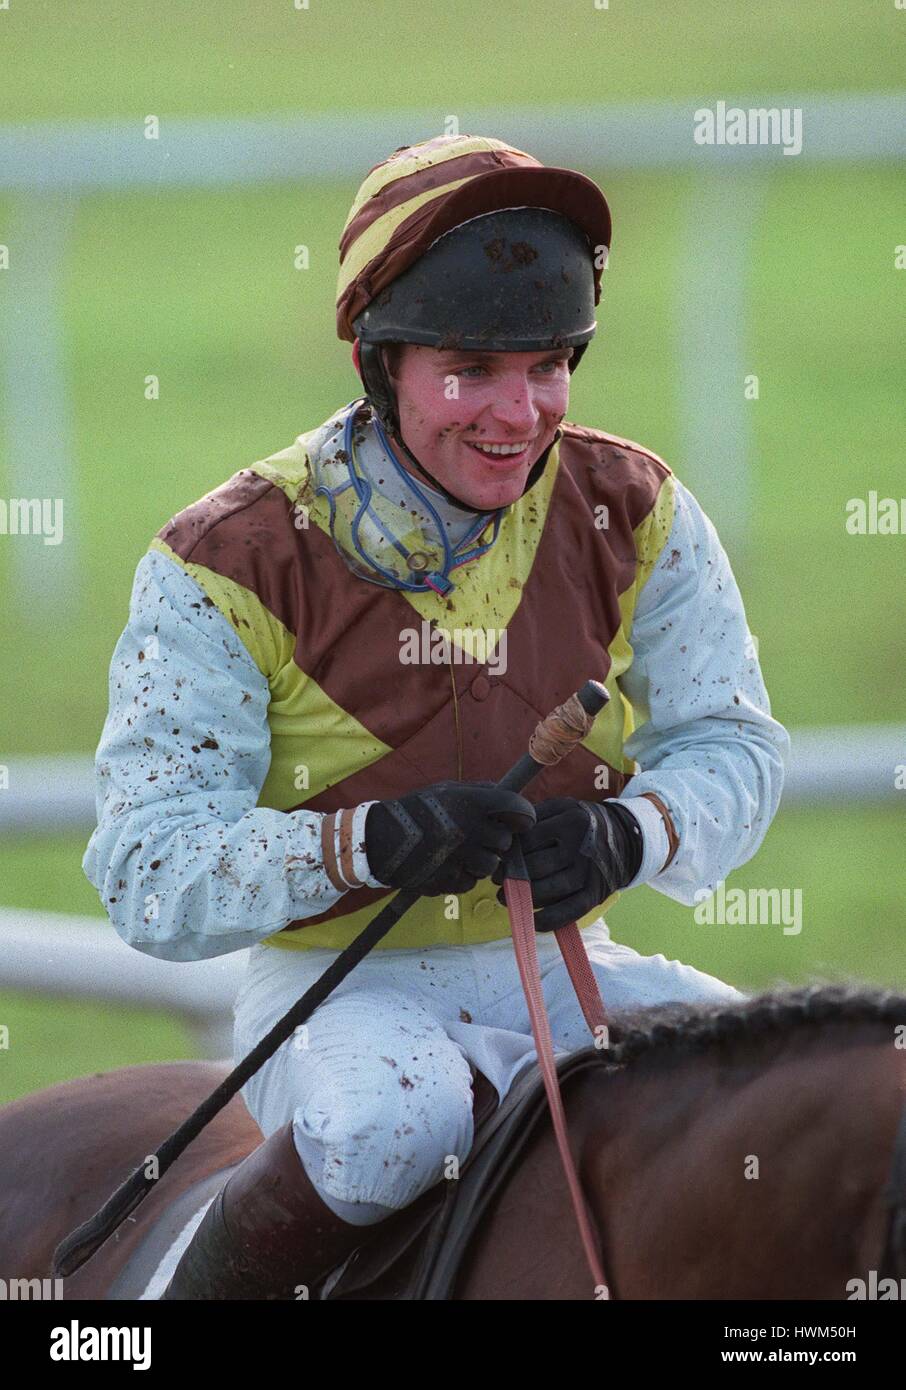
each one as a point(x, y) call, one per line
point(377, 1083)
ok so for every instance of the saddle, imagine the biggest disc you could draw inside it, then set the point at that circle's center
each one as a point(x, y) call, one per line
point(417, 1255)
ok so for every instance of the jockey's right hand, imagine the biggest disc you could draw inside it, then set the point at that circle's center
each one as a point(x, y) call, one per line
point(445, 837)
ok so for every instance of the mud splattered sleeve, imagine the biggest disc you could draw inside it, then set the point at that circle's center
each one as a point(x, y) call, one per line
point(185, 862)
point(705, 740)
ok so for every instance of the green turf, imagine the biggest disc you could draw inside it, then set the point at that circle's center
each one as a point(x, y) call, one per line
point(53, 1040)
point(444, 56)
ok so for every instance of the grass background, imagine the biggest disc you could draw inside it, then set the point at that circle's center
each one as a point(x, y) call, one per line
point(200, 289)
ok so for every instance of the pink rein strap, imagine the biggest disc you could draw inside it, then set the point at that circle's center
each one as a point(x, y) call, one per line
point(518, 893)
point(553, 739)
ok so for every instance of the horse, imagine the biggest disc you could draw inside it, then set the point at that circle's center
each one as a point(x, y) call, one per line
point(725, 1152)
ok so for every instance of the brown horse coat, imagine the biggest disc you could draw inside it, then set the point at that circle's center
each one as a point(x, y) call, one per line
point(55, 1172)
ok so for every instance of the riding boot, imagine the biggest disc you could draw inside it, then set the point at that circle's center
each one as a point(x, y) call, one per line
point(266, 1235)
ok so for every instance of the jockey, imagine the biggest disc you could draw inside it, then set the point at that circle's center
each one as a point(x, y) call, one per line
point(335, 655)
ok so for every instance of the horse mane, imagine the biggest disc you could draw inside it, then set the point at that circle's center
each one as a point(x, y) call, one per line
point(673, 1029)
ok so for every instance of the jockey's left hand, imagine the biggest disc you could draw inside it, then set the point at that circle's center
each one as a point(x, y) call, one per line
point(577, 853)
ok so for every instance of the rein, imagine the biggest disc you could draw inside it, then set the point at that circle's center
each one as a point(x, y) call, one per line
point(553, 738)
point(519, 902)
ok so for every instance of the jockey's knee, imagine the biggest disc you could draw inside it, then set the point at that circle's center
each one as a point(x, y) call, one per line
point(371, 1148)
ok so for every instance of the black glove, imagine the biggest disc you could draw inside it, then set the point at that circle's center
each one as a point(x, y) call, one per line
point(470, 825)
point(577, 854)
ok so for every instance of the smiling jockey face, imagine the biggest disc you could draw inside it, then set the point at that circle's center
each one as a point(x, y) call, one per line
point(452, 402)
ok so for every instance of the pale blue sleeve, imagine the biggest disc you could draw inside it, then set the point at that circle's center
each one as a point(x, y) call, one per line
point(186, 865)
point(705, 740)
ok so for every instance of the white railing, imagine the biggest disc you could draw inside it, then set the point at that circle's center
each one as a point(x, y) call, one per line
point(73, 957)
point(849, 762)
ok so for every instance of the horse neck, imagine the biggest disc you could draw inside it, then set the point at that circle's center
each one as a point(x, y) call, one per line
point(752, 1172)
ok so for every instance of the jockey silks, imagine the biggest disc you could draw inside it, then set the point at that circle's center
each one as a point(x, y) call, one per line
point(351, 718)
